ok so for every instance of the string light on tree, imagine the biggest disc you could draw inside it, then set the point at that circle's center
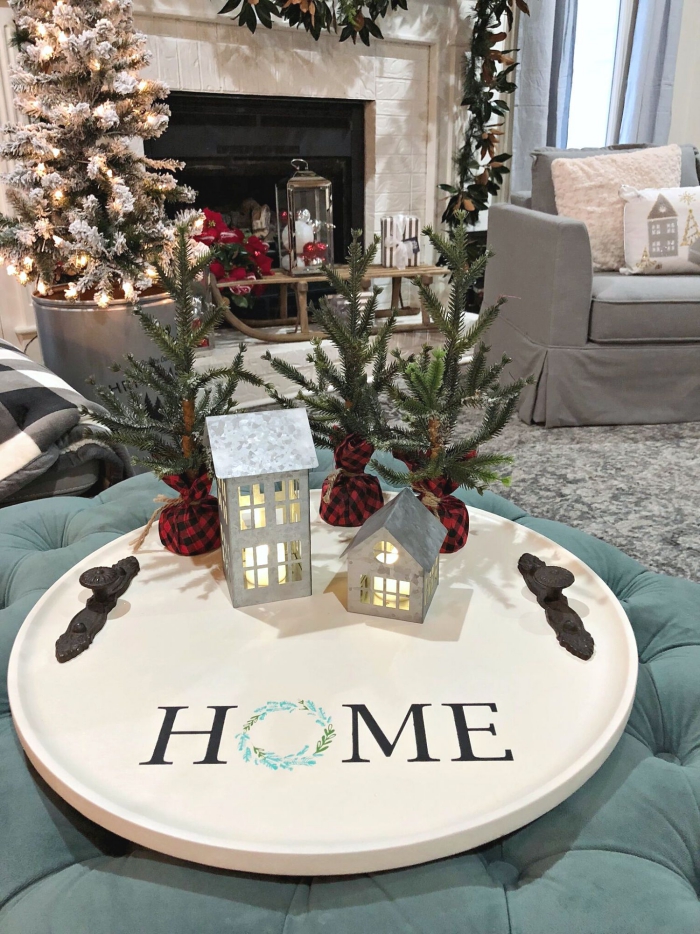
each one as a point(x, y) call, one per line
point(77, 80)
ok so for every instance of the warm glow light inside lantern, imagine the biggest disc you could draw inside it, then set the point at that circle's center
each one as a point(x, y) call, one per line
point(256, 560)
point(392, 594)
point(82, 260)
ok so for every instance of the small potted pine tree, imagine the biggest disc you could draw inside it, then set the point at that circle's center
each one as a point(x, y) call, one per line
point(170, 437)
point(88, 209)
point(451, 401)
point(343, 399)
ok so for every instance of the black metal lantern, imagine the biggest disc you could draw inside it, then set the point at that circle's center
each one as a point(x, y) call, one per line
point(304, 221)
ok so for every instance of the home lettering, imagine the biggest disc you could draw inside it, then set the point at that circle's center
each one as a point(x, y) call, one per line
point(363, 727)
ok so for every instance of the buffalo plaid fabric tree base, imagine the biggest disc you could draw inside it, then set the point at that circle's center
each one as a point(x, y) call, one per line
point(435, 494)
point(190, 525)
point(349, 495)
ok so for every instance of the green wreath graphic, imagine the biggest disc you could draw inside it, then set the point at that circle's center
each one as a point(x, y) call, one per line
point(271, 760)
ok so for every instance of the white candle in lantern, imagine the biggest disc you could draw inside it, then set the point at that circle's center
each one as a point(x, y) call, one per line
point(262, 560)
point(304, 235)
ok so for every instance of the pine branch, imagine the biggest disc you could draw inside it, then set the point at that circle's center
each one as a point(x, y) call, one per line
point(341, 399)
point(171, 441)
point(435, 389)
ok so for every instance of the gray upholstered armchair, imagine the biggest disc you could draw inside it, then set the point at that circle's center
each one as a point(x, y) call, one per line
point(605, 349)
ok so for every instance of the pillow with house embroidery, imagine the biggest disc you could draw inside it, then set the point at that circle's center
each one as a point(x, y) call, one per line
point(662, 231)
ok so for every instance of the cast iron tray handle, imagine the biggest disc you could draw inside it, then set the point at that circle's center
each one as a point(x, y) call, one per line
point(107, 586)
point(547, 584)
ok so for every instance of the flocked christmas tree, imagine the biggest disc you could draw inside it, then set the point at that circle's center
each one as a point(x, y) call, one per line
point(451, 400)
point(343, 397)
point(88, 208)
point(171, 436)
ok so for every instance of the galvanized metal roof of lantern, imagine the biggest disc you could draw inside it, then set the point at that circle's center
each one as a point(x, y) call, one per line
point(252, 444)
point(411, 523)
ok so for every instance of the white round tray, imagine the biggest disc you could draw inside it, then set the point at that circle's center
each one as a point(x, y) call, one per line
point(174, 640)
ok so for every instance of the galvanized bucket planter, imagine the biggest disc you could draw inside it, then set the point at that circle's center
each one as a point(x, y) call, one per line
point(79, 339)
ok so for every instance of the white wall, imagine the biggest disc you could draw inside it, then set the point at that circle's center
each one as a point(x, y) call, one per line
point(685, 122)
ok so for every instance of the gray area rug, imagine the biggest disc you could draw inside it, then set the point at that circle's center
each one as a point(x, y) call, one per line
point(634, 486)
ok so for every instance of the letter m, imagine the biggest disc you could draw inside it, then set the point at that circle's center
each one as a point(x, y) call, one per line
point(415, 714)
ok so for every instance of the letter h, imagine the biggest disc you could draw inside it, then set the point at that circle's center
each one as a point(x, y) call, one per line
point(214, 734)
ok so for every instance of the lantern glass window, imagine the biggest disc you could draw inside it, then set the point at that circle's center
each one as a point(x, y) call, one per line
point(289, 569)
point(386, 553)
point(251, 504)
point(431, 583)
point(387, 592)
point(256, 569)
point(287, 502)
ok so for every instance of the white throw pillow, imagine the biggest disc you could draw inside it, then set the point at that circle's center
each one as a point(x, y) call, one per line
point(589, 191)
point(662, 231)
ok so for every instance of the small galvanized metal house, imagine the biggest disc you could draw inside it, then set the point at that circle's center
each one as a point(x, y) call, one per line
point(394, 561)
point(262, 462)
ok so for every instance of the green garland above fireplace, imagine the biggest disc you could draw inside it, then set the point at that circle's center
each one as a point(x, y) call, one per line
point(352, 19)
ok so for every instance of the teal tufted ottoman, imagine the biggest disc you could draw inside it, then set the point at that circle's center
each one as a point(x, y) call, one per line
point(621, 856)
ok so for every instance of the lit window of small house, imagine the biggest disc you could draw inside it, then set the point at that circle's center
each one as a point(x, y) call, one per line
point(394, 561)
point(287, 505)
point(262, 462)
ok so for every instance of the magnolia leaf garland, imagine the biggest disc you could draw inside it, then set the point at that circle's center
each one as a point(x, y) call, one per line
point(488, 81)
point(352, 19)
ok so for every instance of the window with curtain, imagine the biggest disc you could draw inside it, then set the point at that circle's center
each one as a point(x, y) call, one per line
point(597, 30)
point(623, 71)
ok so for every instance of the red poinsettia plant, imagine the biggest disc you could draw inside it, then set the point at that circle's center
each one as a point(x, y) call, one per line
point(241, 258)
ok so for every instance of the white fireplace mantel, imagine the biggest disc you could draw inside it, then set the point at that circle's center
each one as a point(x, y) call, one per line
point(410, 82)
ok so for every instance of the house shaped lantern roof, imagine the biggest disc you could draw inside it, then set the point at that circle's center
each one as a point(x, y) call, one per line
point(411, 523)
point(253, 444)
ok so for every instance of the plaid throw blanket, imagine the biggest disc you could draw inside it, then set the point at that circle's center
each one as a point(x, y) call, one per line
point(41, 425)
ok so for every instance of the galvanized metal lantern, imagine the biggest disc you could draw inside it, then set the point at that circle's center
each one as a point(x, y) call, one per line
point(394, 561)
point(304, 221)
point(262, 462)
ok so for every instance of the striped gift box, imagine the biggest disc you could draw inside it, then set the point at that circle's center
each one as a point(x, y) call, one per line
point(403, 228)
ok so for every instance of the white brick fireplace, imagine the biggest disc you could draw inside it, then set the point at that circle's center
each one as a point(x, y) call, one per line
point(410, 83)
